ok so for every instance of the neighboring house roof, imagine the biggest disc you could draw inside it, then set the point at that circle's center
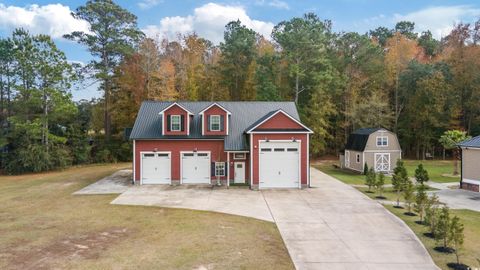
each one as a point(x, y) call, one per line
point(148, 124)
point(357, 141)
point(473, 142)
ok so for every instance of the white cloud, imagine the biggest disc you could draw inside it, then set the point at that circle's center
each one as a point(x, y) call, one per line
point(439, 19)
point(207, 21)
point(53, 19)
point(145, 4)
point(273, 3)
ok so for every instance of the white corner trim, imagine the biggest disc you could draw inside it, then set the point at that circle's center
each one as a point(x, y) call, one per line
point(134, 162)
point(286, 114)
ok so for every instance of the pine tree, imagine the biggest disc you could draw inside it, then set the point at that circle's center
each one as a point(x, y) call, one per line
point(421, 175)
point(400, 177)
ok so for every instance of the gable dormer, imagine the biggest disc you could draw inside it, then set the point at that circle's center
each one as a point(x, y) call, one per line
point(175, 120)
point(215, 120)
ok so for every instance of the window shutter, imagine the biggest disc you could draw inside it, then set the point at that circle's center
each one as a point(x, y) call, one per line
point(226, 168)
point(168, 123)
point(208, 122)
point(182, 122)
point(213, 169)
point(222, 122)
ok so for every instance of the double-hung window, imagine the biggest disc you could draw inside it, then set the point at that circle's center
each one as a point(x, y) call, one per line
point(219, 168)
point(382, 141)
point(175, 123)
point(215, 122)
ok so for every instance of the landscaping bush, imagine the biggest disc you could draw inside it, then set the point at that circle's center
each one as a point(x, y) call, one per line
point(380, 185)
point(370, 179)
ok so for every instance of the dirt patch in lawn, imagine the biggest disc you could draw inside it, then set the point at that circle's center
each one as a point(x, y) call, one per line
point(87, 246)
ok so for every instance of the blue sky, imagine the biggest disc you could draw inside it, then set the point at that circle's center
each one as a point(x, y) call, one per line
point(165, 18)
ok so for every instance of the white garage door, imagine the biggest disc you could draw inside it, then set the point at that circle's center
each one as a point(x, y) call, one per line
point(279, 164)
point(156, 168)
point(196, 168)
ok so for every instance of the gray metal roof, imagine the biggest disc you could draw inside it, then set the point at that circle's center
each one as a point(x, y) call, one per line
point(473, 142)
point(148, 124)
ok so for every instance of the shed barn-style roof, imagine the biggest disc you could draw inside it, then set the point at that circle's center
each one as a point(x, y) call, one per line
point(357, 141)
point(148, 124)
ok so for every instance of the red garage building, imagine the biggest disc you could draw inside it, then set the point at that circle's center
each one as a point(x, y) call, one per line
point(263, 144)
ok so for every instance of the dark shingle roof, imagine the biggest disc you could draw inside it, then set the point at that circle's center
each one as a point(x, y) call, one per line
point(358, 139)
point(148, 124)
point(473, 142)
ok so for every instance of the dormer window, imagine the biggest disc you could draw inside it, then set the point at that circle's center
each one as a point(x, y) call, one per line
point(214, 122)
point(175, 123)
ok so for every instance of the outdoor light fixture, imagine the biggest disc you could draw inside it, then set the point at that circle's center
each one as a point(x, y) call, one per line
point(195, 149)
point(155, 149)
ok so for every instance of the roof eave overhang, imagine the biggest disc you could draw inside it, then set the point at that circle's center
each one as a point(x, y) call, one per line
point(173, 104)
point(215, 104)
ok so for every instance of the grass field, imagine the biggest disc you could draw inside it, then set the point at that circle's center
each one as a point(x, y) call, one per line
point(349, 177)
point(437, 169)
point(471, 251)
point(43, 226)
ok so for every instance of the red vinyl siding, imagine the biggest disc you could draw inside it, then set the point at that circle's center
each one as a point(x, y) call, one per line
point(175, 146)
point(175, 110)
point(214, 110)
point(280, 120)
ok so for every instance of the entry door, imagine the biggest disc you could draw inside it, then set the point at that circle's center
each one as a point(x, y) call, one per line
point(156, 168)
point(196, 168)
point(239, 172)
point(279, 165)
point(382, 162)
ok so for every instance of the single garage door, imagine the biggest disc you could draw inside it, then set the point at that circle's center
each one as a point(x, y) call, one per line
point(196, 168)
point(156, 168)
point(279, 164)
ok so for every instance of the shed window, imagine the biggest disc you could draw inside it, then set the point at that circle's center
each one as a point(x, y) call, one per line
point(358, 158)
point(215, 122)
point(382, 141)
point(175, 121)
point(219, 168)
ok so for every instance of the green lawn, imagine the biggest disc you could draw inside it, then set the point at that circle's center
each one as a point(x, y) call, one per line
point(437, 169)
point(43, 226)
point(349, 177)
point(471, 252)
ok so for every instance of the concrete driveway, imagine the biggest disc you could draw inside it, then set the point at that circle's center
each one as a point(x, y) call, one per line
point(329, 226)
point(460, 199)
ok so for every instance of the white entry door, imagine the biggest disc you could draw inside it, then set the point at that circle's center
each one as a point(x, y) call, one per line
point(195, 168)
point(382, 162)
point(279, 165)
point(239, 172)
point(156, 168)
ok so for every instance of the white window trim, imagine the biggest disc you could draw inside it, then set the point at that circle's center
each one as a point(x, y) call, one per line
point(222, 164)
point(357, 158)
point(244, 155)
point(219, 122)
point(179, 122)
point(382, 137)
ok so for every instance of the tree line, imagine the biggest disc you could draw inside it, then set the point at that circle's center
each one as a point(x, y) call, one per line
point(411, 83)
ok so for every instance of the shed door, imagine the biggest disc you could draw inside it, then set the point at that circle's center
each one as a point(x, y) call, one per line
point(382, 162)
point(156, 168)
point(195, 168)
point(279, 165)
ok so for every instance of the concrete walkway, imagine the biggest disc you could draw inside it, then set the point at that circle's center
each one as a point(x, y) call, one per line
point(329, 226)
point(116, 183)
point(460, 199)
